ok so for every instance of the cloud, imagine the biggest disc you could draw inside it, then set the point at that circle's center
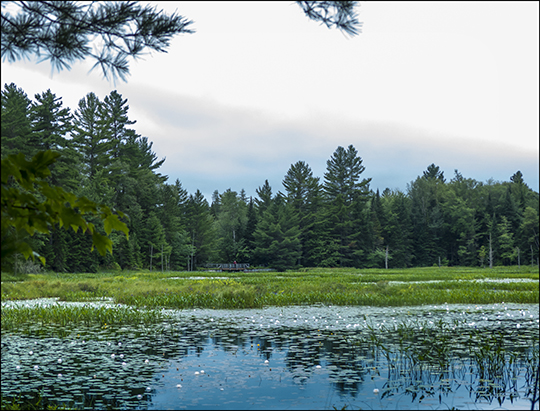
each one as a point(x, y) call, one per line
point(210, 146)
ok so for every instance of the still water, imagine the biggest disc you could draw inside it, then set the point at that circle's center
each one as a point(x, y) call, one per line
point(317, 357)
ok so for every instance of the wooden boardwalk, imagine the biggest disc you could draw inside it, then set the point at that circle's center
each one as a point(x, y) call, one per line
point(228, 267)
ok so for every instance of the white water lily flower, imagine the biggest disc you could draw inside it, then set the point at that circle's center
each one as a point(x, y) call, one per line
point(31, 352)
point(59, 375)
point(376, 391)
point(112, 356)
point(148, 389)
point(121, 355)
point(146, 361)
point(124, 364)
point(36, 367)
point(178, 385)
point(59, 361)
point(317, 366)
point(139, 396)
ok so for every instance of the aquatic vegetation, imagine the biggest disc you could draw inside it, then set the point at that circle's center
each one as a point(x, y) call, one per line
point(445, 354)
point(54, 313)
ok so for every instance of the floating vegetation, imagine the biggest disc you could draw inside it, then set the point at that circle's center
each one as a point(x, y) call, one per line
point(320, 357)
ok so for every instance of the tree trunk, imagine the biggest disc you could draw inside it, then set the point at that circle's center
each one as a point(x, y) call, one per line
point(151, 255)
point(386, 259)
point(490, 253)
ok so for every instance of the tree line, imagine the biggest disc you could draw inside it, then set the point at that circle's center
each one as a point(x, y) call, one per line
point(336, 221)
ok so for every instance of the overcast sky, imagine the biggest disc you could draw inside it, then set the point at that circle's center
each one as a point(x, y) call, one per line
point(259, 87)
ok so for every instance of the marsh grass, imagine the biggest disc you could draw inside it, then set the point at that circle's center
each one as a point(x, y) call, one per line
point(63, 315)
point(337, 286)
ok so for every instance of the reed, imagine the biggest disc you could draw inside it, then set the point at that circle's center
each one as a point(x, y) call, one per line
point(337, 286)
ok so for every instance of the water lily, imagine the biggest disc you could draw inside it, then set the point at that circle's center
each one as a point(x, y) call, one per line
point(376, 391)
point(139, 397)
point(31, 352)
point(124, 364)
point(178, 385)
point(146, 361)
point(112, 356)
point(59, 375)
point(36, 367)
point(196, 372)
point(148, 389)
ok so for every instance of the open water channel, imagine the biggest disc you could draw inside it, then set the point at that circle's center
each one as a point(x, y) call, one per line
point(316, 357)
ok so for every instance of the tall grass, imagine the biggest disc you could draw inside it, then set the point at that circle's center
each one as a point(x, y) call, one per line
point(336, 286)
point(86, 314)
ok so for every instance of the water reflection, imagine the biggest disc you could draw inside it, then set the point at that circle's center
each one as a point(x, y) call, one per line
point(438, 358)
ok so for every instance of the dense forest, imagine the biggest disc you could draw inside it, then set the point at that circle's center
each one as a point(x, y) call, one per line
point(336, 221)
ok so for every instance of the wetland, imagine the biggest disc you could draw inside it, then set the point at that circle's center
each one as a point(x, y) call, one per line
point(99, 353)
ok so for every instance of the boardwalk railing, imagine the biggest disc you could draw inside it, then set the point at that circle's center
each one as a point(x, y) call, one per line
point(228, 267)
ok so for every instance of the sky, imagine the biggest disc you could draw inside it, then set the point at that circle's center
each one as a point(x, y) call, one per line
point(259, 87)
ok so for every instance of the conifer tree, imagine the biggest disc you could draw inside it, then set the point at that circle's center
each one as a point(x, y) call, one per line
point(16, 127)
point(343, 189)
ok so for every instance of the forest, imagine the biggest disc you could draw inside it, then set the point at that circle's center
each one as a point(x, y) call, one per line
point(336, 221)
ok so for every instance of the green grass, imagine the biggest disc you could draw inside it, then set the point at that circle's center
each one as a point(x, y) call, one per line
point(337, 286)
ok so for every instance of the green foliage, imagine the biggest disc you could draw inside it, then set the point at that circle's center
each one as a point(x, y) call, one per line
point(63, 32)
point(336, 286)
point(106, 166)
point(30, 205)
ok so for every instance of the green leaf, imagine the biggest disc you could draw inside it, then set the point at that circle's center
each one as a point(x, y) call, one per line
point(101, 242)
point(112, 222)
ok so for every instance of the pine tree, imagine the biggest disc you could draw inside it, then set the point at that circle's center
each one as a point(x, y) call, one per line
point(342, 190)
point(200, 226)
point(277, 237)
point(114, 113)
point(90, 134)
point(265, 198)
point(16, 127)
point(303, 192)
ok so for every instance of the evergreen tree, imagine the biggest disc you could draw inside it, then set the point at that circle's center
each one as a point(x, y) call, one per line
point(249, 238)
point(90, 135)
point(200, 226)
point(50, 123)
point(265, 198)
point(427, 217)
point(342, 189)
point(277, 237)
point(16, 127)
point(303, 192)
point(114, 113)
point(529, 229)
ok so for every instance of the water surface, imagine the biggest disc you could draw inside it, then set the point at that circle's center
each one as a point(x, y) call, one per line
point(316, 357)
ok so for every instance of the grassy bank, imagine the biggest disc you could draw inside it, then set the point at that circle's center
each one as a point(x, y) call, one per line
point(415, 286)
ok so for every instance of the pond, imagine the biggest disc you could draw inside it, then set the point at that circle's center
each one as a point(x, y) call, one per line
point(316, 357)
